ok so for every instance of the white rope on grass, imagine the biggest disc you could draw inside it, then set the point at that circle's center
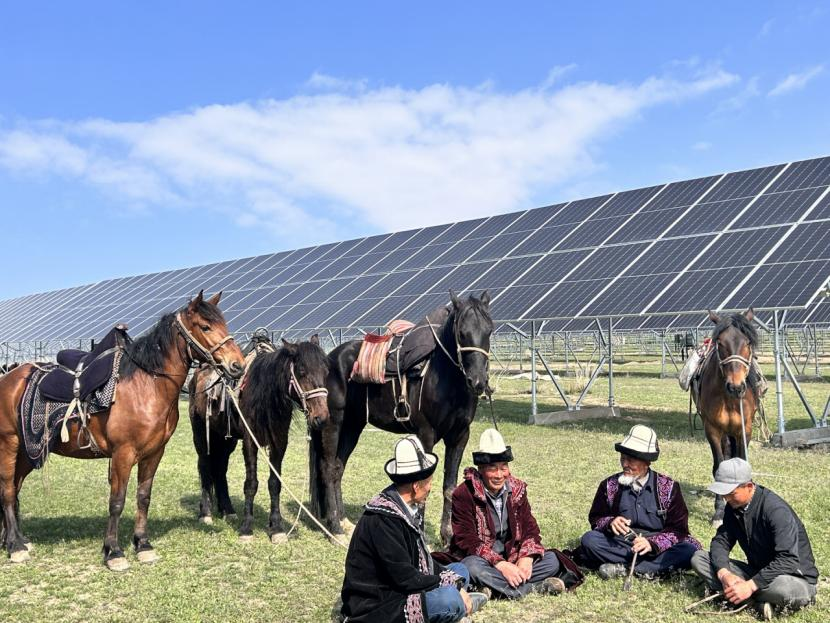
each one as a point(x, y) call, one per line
point(232, 395)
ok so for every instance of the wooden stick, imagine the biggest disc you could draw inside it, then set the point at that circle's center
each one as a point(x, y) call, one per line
point(627, 583)
point(703, 601)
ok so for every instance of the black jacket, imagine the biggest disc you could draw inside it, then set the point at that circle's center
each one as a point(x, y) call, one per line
point(388, 568)
point(772, 537)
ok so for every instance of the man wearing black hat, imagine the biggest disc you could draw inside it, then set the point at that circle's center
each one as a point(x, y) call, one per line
point(390, 575)
point(494, 532)
point(780, 571)
point(638, 511)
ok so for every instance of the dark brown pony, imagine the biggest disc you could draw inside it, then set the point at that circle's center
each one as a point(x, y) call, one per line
point(277, 382)
point(133, 431)
point(725, 385)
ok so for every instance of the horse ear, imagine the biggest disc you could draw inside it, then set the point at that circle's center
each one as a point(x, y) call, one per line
point(714, 317)
point(315, 339)
point(195, 302)
point(485, 298)
point(456, 302)
point(290, 347)
point(750, 314)
point(214, 300)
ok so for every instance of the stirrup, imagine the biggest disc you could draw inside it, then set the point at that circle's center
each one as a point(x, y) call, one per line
point(403, 412)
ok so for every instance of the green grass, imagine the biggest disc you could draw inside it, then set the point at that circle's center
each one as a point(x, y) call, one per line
point(206, 575)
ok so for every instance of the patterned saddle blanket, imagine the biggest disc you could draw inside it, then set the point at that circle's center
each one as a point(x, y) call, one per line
point(89, 370)
point(41, 419)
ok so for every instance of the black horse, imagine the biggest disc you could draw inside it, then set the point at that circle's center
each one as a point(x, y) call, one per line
point(443, 403)
point(274, 383)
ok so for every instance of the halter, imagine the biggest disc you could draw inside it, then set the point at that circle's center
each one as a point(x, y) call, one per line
point(304, 396)
point(746, 363)
point(202, 353)
point(458, 347)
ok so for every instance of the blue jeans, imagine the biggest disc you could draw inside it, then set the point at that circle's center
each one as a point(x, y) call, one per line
point(444, 604)
point(485, 574)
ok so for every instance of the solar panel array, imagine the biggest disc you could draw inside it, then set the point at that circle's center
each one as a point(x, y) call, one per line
point(759, 237)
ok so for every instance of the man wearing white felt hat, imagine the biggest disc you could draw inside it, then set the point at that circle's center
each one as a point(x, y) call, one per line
point(495, 534)
point(638, 512)
point(390, 575)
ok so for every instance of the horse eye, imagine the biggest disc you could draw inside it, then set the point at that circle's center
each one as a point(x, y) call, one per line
point(205, 327)
point(301, 371)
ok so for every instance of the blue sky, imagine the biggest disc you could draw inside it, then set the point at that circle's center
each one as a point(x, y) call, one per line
point(164, 135)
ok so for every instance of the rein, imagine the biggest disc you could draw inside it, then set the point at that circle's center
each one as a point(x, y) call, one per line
point(459, 363)
point(304, 396)
point(747, 364)
point(204, 354)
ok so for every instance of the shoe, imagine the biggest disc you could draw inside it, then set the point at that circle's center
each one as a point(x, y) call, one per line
point(478, 600)
point(486, 591)
point(766, 611)
point(550, 586)
point(611, 570)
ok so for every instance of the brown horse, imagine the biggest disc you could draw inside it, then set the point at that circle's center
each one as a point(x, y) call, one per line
point(136, 427)
point(725, 378)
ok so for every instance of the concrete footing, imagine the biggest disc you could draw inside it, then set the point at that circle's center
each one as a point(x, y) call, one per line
point(591, 413)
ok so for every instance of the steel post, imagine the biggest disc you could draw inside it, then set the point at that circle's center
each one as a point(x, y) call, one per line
point(779, 386)
point(533, 407)
point(610, 362)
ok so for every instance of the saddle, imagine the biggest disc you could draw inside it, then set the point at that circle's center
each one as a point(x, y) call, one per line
point(79, 373)
point(374, 359)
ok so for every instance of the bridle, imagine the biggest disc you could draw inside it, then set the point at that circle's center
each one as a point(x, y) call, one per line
point(203, 354)
point(722, 363)
point(458, 361)
point(302, 395)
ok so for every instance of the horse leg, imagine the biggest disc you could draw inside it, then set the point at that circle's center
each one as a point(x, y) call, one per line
point(452, 461)
point(13, 539)
point(121, 465)
point(146, 473)
point(22, 469)
point(220, 478)
point(206, 479)
point(279, 442)
point(249, 451)
point(716, 440)
point(346, 445)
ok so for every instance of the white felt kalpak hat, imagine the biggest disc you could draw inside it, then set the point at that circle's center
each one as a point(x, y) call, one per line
point(641, 443)
point(491, 449)
point(410, 463)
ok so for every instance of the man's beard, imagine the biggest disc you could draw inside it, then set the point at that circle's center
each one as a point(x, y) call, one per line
point(626, 481)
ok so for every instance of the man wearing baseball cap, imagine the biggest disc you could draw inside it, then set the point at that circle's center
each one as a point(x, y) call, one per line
point(780, 571)
point(638, 512)
point(390, 575)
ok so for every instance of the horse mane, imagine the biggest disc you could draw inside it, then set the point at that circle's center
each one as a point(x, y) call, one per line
point(149, 351)
point(266, 393)
point(740, 322)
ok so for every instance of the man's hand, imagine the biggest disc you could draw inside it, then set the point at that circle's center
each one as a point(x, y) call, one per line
point(620, 526)
point(511, 573)
point(468, 603)
point(525, 566)
point(740, 591)
point(641, 545)
point(727, 578)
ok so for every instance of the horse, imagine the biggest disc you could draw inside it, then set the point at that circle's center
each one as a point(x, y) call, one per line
point(443, 403)
point(134, 430)
point(275, 381)
point(724, 379)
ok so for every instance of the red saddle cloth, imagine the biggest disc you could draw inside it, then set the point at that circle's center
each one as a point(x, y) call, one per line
point(370, 365)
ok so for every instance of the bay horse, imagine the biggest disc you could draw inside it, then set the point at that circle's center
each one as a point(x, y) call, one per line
point(443, 404)
point(724, 379)
point(274, 383)
point(134, 430)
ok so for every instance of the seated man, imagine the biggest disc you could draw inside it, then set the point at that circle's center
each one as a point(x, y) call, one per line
point(780, 570)
point(494, 533)
point(390, 575)
point(638, 511)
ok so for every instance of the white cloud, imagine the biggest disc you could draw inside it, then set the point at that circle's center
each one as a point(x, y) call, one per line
point(740, 99)
point(346, 153)
point(795, 82)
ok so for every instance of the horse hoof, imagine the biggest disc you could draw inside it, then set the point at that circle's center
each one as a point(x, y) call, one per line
point(246, 538)
point(20, 556)
point(231, 517)
point(340, 539)
point(279, 538)
point(148, 556)
point(207, 520)
point(118, 564)
point(28, 545)
point(347, 527)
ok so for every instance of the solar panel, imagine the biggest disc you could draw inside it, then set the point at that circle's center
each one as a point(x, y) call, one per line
point(758, 237)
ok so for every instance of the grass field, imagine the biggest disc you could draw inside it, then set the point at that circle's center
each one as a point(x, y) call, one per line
point(206, 574)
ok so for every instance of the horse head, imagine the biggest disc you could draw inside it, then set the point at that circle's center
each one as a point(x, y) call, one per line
point(472, 327)
point(204, 329)
point(734, 340)
point(308, 369)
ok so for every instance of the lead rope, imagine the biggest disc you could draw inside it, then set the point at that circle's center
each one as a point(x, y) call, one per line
point(743, 429)
point(302, 506)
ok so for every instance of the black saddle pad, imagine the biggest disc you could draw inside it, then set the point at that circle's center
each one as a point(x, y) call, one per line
point(409, 351)
point(98, 366)
point(40, 419)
